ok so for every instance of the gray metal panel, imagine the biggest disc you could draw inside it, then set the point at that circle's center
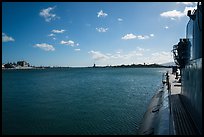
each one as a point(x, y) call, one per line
point(192, 90)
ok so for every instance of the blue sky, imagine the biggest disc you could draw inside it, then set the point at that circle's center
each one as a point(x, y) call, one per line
point(83, 33)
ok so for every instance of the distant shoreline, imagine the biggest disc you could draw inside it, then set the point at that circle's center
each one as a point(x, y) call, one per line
point(120, 66)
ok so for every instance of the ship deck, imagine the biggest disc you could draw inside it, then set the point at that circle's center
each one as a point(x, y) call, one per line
point(181, 119)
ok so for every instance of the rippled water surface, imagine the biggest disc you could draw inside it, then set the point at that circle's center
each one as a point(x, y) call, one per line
point(77, 100)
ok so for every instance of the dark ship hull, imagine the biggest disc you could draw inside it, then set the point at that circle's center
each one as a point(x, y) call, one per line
point(191, 79)
point(176, 109)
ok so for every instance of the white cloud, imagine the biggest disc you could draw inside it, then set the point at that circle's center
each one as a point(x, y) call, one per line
point(129, 36)
point(173, 14)
point(51, 35)
point(119, 19)
point(77, 49)
point(47, 15)
point(45, 47)
point(97, 55)
point(101, 14)
point(151, 35)
point(132, 36)
point(142, 37)
point(142, 49)
point(69, 43)
point(160, 57)
point(135, 53)
point(58, 31)
point(166, 27)
point(6, 38)
point(185, 3)
point(129, 55)
point(139, 55)
point(101, 29)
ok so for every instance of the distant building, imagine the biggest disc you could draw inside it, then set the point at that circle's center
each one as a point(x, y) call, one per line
point(3, 66)
point(23, 63)
point(8, 65)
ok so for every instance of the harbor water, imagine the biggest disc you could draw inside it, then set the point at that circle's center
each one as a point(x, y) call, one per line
point(77, 101)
